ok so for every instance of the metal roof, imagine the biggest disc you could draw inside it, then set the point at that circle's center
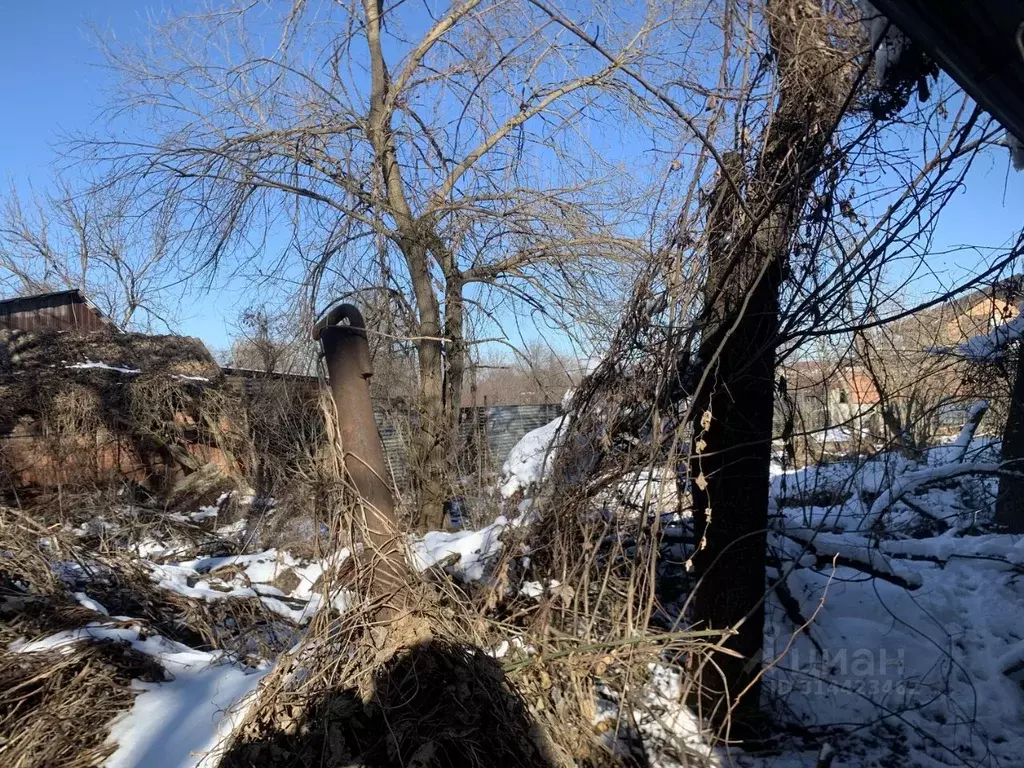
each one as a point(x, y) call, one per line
point(979, 43)
point(48, 295)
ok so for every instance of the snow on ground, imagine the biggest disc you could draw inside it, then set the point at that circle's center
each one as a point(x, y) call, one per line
point(532, 458)
point(926, 662)
point(913, 649)
point(645, 491)
point(836, 435)
point(912, 642)
point(178, 723)
point(671, 732)
point(839, 495)
point(476, 550)
point(251, 575)
point(909, 649)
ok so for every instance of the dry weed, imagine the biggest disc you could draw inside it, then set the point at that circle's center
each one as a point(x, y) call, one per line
point(57, 705)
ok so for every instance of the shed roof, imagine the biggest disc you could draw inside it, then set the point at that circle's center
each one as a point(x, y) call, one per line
point(64, 352)
point(70, 292)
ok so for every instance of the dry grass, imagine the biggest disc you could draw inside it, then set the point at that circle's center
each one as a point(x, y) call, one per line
point(360, 692)
point(419, 684)
point(342, 693)
point(390, 688)
point(57, 705)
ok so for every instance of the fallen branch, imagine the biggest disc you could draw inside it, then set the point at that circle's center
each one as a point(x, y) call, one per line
point(858, 554)
point(791, 606)
point(943, 550)
point(963, 440)
point(912, 481)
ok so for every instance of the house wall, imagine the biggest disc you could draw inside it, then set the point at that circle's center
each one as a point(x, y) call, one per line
point(979, 319)
point(30, 460)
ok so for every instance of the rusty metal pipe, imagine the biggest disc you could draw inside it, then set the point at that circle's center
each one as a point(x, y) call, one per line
point(342, 335)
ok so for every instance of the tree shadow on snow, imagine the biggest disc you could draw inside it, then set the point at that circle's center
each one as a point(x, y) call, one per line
point(435, 705)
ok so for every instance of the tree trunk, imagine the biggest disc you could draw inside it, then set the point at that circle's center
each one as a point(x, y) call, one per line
point(429, 459)
point(1010, 500)
point(731, 453)
point(748, 245)
point(455, 354)
point(428, 455)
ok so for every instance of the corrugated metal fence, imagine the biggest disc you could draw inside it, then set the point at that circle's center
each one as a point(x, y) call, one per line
point(506, 424)
point(490, 433)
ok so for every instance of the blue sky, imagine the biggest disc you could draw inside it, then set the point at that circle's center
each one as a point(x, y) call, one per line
point(50, 82)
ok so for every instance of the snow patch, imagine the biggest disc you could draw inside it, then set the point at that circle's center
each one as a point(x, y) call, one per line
point(87, 602)
point(105, 367)
point(476, 550)
point(531, 458)
point(1016, 147)
point(204, 513)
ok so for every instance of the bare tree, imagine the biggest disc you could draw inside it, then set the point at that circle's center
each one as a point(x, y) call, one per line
point(535, 375)
point(452, 165)
point(272, 342)
point(96, 241)
point(775, 244)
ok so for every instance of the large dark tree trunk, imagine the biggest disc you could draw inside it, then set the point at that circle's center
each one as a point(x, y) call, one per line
point(749, 240)
point(731, 452)
point(1010, 501)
